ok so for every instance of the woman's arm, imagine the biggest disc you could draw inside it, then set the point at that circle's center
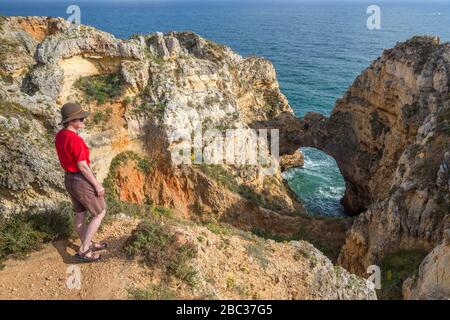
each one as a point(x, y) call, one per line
point(87, 173)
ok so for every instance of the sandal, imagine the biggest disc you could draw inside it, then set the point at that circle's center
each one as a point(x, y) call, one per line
point(83, 256)
point(98, 246)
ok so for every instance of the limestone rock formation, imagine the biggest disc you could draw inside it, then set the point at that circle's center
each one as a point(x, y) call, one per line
point(389, 133)
point(225, 263)
point(433, 279)
point(390, 137)
point(291, 271)
point(166, 84)
point(294, 160)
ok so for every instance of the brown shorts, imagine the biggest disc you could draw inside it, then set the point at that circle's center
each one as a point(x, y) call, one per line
point(83, 194)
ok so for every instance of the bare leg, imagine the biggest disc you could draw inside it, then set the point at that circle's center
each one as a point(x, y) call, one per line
point(80, 224)
point(91, 230)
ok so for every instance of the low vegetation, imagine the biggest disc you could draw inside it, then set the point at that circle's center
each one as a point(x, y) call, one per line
point(220, 228)
point(117, 206)
point(2, 22)
point(7, 48)
point(142, 163)
point(102, 88)
point(10, 109)
point(158, 60)
point(257, 251)
point(211, 100)
point(6, 77)
point(326, 234)
point(153, 292)
point(224, 177)
point(156, 243)
point(102, 116)
point(156, 109)
point(396, 267)
point(24, 233)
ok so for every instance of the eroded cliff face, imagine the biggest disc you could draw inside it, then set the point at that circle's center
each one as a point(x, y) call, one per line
point(432, 282)
point(389, 133)
point(142, 92)
point(167, 83)
point(390, 137)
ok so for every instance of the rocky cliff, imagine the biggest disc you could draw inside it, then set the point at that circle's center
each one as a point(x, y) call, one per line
point(144, 94)
point(432, 281)
point(390, 136)
point(161, 84)
point(185, 261)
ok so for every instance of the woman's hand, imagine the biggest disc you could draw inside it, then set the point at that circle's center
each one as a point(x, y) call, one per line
point(89, 175)
point(100, 191)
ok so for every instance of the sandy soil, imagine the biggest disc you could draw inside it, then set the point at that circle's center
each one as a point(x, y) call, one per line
point(44, 274)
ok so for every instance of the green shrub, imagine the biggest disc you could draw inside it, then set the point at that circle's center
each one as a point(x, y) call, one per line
point(211, 100)
point(157, 109)
point(8, 109)
point(249, 194)
point(54, 225)
point(8, 48)
point(158, 60)
point(223, 176)
point(155, 242)
point(257, 251)
point(18, 237)
point(144, 164)
point(300, 253)
point(179, 266)
point(396, 267)
point(328, 248)
point(102, 116)
point(24, 233)
point(230, 282)
point(154, 292)
point(148, 240)
point(128, 101)
point(101, 88)
point(267, 108)
point(162, 212)
point(220, 229)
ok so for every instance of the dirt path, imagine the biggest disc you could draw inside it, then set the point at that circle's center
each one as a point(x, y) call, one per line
point(44, 274)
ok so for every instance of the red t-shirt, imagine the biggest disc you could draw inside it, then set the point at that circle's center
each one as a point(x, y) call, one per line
point(71, 149)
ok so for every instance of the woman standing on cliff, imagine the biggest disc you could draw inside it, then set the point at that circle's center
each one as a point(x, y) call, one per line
point(86, 192)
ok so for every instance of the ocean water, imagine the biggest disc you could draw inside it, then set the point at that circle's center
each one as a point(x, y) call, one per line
point(319, 182)
point(318, 48)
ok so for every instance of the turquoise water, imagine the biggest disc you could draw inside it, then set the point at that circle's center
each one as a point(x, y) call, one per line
point(319, 183)
point(317, 48)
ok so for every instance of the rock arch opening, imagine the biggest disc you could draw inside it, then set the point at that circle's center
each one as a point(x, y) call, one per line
point(319, 183)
